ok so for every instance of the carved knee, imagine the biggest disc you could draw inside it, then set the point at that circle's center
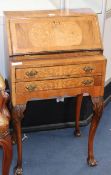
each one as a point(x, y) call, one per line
point(4, 113)
point(4, 126)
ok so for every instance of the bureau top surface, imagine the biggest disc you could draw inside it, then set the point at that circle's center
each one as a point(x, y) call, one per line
point(52, 31)
point(49, 13)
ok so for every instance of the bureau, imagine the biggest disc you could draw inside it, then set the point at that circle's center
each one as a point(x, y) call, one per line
point(55, 54)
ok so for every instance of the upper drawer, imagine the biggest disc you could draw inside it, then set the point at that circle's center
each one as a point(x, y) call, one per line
point(55, 72)
point(52, 33)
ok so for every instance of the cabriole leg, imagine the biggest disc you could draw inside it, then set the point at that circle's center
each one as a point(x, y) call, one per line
point(17, 115)
point(97, 108)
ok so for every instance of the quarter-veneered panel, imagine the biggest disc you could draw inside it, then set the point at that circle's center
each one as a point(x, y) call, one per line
point(52, 34)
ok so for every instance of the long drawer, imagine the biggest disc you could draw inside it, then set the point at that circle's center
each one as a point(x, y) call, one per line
point(30, 74)
point(34, 86)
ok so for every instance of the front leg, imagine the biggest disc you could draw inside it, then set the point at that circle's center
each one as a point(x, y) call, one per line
point(17, 115)
point(98, 108)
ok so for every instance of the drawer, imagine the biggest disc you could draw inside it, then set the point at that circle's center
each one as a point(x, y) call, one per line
point(34, 86)
point(30, 74)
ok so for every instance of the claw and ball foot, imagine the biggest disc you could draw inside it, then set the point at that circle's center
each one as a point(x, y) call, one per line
point(18, 171)
point(91, 162)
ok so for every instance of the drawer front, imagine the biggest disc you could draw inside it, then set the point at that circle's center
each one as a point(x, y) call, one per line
point(55, 72)
point(57, 84)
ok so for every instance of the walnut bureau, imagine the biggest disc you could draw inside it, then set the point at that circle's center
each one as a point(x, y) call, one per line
point(55, 54)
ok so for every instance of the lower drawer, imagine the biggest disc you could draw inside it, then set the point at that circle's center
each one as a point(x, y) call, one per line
point(22, 87)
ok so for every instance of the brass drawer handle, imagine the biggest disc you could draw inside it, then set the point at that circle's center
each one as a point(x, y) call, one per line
point(31, 73)
point(31, 87)
point(88, 69)
point(87, 82)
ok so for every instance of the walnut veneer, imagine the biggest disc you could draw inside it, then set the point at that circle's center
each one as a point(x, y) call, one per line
point(55, 54)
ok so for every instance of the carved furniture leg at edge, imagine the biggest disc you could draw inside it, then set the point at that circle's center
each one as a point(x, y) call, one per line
point(5, 138)
point(17, 115)
point(6, 144)
point(78, 110)
point(97, 108)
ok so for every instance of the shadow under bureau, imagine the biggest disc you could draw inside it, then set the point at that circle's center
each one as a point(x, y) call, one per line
point(55, 54)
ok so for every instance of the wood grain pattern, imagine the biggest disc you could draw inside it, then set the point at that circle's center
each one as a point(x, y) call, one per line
point(52, 33)
point(57, 84)
point(56, 72)
point(53, 94)
point(30, 32)
point(55, 63)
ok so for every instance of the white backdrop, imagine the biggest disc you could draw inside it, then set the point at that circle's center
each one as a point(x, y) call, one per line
point(25, 4)
point(96, 5)
point(108, 5)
